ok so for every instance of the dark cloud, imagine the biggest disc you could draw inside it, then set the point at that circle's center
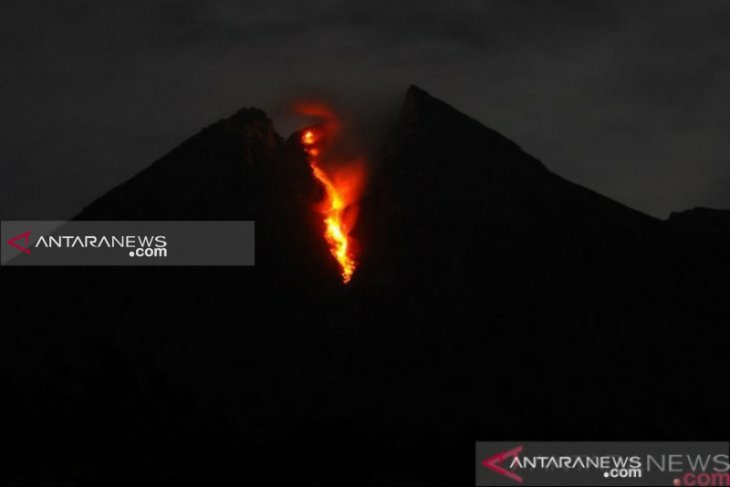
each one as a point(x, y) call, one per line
point(625, 97)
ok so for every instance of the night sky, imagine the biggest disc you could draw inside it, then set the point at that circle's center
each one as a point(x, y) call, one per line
point(628, 98)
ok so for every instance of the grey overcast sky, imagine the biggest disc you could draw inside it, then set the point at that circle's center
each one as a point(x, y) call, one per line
point(629, 98)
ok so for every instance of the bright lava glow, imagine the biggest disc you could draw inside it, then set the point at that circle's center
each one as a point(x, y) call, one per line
point(339, 205)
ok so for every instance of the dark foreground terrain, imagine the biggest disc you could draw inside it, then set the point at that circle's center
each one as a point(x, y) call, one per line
point(495, 300)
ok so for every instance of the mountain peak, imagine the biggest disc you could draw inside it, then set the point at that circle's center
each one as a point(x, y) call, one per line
point(451, 182)
point(428, 124)
point(415, 92)
point(212, 175)
point(247, 118)
point(706, 223)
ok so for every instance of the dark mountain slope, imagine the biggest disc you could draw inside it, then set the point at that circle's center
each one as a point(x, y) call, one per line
point(570, 303)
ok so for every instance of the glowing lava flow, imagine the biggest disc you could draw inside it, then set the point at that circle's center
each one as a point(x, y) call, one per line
point(339, 205)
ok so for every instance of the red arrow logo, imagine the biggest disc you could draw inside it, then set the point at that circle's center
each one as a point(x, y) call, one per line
point(23, 236)
point(494, 463)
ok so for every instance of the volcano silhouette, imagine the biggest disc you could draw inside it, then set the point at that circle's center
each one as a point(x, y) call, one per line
point(494, 300)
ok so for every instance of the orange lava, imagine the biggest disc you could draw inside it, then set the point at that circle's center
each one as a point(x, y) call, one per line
point(342, 185)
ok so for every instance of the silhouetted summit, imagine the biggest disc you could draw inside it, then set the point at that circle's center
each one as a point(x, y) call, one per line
point(212, 175)
point(705, 221)
point(451, 189)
